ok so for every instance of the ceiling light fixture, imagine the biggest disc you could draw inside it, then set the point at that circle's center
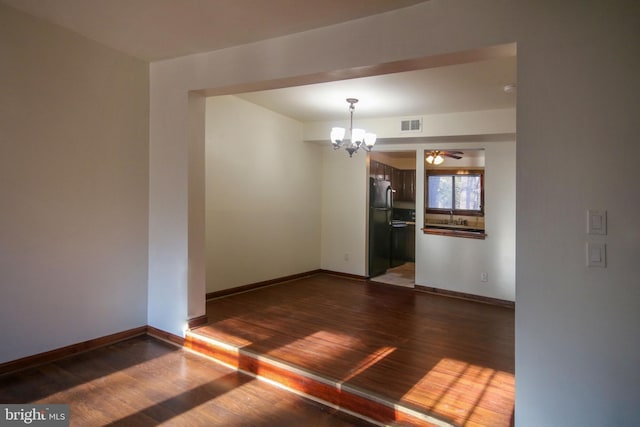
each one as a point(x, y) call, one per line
point(357, 136)
point(435, 157)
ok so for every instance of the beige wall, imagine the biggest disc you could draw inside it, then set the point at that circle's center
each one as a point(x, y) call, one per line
point(73, 188)
point(263, 194)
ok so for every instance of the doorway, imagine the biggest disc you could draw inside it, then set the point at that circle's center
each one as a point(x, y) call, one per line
point(391, 246)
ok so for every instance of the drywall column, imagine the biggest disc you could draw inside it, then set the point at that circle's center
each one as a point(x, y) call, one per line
point(167, 307)
point(197, 235)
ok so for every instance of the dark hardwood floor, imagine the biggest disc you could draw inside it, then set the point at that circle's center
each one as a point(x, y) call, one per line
point(449, 359)
point(145, 382)
point(398, 356)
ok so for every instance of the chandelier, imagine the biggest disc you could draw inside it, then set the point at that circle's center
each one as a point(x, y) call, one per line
point(358, 137)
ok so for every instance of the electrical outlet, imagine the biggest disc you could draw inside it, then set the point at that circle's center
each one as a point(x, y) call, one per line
point(346, 257)
point(484, 277)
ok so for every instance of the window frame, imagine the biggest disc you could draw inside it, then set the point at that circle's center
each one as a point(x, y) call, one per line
point(454, 173)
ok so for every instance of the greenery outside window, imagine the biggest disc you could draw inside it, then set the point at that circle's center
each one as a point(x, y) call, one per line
point(457, 192)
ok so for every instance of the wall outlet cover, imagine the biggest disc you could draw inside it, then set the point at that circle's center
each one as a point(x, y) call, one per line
point(596, 221)
point(596, 254)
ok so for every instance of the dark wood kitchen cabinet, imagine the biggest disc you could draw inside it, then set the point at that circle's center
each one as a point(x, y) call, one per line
point(396, 183)
point(408, 185)
point(402, 180)
point(381, 171)
point(374, 169)
point(405, 185)
point(388, 173)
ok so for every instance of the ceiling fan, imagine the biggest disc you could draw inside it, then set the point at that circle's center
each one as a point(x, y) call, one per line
point(436, 157)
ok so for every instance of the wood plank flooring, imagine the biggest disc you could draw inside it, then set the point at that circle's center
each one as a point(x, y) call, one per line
point(145, 382)
point(450, 359)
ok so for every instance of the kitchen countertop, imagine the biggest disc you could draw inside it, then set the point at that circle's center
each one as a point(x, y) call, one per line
point(453, 226)
point(454, 230)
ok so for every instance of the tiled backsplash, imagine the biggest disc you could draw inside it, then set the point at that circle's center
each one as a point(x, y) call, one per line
point(404, 214)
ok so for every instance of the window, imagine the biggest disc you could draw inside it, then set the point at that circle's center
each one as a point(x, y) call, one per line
point(460, 192)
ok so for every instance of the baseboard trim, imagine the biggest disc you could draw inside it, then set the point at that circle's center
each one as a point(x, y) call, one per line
point(345, 275)
point(252, 286)
point(70, 350)
point(198, 321)
point(165, 336)
point(463, 295)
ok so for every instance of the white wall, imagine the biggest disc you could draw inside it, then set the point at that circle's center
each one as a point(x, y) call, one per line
point(263, 194)
point(73, 185)
point(577, 346)
point(576, 355)
point(455, 264)
point(464, 123)
point(345, 187)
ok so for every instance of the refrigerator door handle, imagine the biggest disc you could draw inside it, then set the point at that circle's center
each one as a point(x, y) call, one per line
point(389, 203)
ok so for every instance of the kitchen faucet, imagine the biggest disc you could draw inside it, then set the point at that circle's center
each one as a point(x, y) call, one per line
point(451, 216)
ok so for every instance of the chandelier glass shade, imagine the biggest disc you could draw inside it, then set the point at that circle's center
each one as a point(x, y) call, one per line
point(358, 137)
point(435, 158)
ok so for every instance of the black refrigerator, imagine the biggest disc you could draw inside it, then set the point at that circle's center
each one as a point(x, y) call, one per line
point(380, 211)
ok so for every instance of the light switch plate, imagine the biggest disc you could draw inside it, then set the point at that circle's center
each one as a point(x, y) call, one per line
point(596, 222)
point(596, 254)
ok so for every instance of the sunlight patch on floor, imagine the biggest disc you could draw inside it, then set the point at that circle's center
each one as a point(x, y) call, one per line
point(468, 390)
point(367, 362)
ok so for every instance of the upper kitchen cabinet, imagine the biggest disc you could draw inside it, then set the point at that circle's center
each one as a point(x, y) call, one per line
point(380, 170)
point(397, 183)
point(403, 181)
point(375, 169)
point(406, 185)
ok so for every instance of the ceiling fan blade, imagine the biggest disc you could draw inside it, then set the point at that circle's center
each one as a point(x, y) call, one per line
point(452, 154)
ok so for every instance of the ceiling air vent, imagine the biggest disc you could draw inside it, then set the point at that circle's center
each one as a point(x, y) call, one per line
point(411, 125)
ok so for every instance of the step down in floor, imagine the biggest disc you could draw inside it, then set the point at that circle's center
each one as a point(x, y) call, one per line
point(330, 392)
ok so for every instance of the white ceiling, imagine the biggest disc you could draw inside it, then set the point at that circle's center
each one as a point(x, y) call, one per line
point(160, 29)
point(464, 87)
